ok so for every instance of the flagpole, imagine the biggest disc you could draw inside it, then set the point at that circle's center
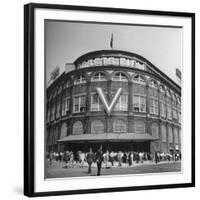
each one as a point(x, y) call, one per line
point(111, 41)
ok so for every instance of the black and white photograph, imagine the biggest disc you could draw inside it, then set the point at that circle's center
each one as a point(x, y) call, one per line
point(108, 100)
point(113, 99)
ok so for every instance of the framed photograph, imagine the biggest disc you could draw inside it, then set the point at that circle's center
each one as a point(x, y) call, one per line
point(108, 99)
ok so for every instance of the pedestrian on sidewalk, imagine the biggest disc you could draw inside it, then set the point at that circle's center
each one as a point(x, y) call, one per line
point(90, 159)
point(99, 159)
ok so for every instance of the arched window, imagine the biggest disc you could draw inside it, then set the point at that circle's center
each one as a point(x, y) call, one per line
point(155, 130)
point(63, 131)
point(99, 76)
point(164, 134)
point(176, 138)
point(119, 126)
point(80, 79)
point(162, 89)
point(139, 79)
point(153, 83)
point(139, 127)
point(77, 128)
point(119, 76)
point(170, 134)
point(97, 126)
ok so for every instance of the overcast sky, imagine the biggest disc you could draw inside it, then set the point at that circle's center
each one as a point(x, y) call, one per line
point(66, 41)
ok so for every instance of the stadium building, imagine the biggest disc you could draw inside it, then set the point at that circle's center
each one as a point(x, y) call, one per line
point(116, 99)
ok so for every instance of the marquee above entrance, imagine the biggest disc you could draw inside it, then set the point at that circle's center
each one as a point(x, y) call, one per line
point(106, 61)
point(108, 137)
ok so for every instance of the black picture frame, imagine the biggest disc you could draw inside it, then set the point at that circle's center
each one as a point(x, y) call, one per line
point(29, 96)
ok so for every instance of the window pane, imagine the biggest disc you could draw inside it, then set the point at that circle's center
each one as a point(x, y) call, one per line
point(82, 103)
point(95, 99)
point(170, 135)
point(76, 104)
point(97, 126)
point(142, 104)
point(123, 77)
point(136, 107)
point(139, 127)
point(164, 135)
point(124, 102)
point(77, 128)
point(151, 106)
point(119, 126)
point(176, 138)
point(95, 103)
point(120, 77)
point(155, 130)
point(156, 106)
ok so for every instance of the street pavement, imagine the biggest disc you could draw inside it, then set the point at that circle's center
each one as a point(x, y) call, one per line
point(60, 170)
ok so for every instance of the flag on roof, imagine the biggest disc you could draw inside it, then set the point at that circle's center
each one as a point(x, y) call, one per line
point(111, 41)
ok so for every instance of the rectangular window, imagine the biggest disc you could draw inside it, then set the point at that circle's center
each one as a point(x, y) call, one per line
point(82, 104)
point(58, 110)
point(169, 112)
point(174, 114)
point(162, 109)
point(95, 103)
point(76, 104)
point(122, 103)
point(48, 115)
point(136, 104)
point(79, 103)
point(142, 104)
point(139, 103)
point(53, 113)
point(153, 106)
point(156, 106)
point(119, 127)
point(65, 106)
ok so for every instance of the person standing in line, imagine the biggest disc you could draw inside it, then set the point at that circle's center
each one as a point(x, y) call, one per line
point(112, 155)
point(156, 157)
point(107, 158)
point(120, 155)
point(60, 156)
point(99, 158)
point(130, 158)
point(51, 157)
point(82, 157)
point(72, 159)
point(90, 159)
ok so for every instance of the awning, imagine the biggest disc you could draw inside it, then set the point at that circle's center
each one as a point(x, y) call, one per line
point(108, 137)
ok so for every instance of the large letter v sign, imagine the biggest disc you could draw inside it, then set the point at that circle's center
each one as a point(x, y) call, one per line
point(104, 101)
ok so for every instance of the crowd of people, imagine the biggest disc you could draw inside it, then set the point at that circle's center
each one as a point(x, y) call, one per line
point(109, 159)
